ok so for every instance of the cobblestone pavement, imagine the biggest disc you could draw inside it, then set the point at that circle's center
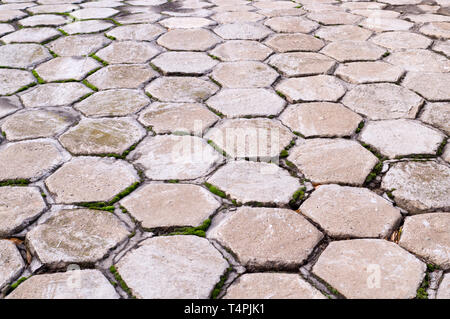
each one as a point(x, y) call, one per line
point(224, 148)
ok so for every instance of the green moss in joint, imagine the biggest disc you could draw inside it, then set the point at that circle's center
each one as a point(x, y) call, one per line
point(218, 288)
point(121, 282)
point(215, 190)
point(15, 182)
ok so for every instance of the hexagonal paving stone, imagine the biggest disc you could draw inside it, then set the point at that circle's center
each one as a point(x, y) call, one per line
point(188, 40)
point(242, 31)
point(138, 17)
point(442, 47)
point(13, 80)
point(432, 86)
point(53, 8)
point(37, 35)
point(181, 89)
point(195, 63)
point(5, 28)
point(137, 32)
point(345, 212)
point(346, 51)
point(401, 40)
point(396, 138)
point(66, 237)
point(437, 114)
point(369, 72)
point(29, 159)
point(311, 88)
point(343, 32)
point(67, 68)
point(427, 236)
point(444, 288)
point(248, 181)
point(10, 15)
point(54, 94)
point(250, 138)
point(172, 267)
point(271, 5)
point(320, 119)
point(383, 101)
point(93, 13)
point(236, 17)
point(419, 186)
point(301, 63)
point(122, 76)
point(246, 102)
point(23, 55)
point(18, 207)
point(237, 50)
point(437, 30)
point(102, 136)
point(37, 123)
point(8, 105)
point(334, 17)
point(420, 61)
point(191, 118)
point(272, 286)
point(370, 268)
point(90, 179)
point(333, 161)
point(78, 45)
point(169, 205)
point(244, 74)
point(11, 262)
point(294, 42)
point(291, 24)
point(279, 238)
point(186, 22)
point(44, 20)
point(76, 284)
point(166, 157)
point(127, 52)
point(88, 26)
point(386, 24)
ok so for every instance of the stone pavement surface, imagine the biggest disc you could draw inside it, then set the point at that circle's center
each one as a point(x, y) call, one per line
point(224, 149)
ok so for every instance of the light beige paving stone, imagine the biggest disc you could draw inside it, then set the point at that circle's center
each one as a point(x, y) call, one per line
point(291, 24)
point(181, 89)
point(248, 181)
point(88, 26)
point(231, 7)
point(237, 50)
point(37, 123)
point(191, 118)
point(36, 35)
point(274, 5)
point(5, 29)
point(369, 72)
point(282, 12)
point(16, 6)
point(371, 13)
point(383, 101)
point(370, 268)
point(67, 68)
point(94, 13)
point(442, 47)
point(78, 45)
point(427, 236)
point(272, 286)
point(432, 86)
point(446, 154)
point(137, 32)
point(386, 24)
point(396, 138)
point(188, 39)
point(420, 61)
point(165, 157)
point(102, 136)
point(194, 63)
point(279, 238)
point(122, 76)
point(444, 288)
point(345, 212)
point(301, 63)
point(186, 22)
point(438, 115)
point(320, 119)
point(12, 80)
point(401, 40)
point(170, 205)
point(401, 2)
point(244, 74)
point(440, 30)
point(18, 207)
point(11, 263)
point(44, 20)
point(343, 32)
point(54, 94)
point(250, 138)
point(346, 51)
point(362, 5)
point(75, 236)
point(294, 42)
point(28, 159)
point(128, 52)
point(135, 18)
point(112, 103)
point(312, 88)
point(23, 55)
point(327, 161)
point(237, 17)
point(334, 17)
point(419, 186)
point(10, 15)
point(242, 31)
point(246, 102)
point(75, 284)
point(90, 179)
point(53, 8)
point(172, 267)
point(8, 105)
point(101, 4)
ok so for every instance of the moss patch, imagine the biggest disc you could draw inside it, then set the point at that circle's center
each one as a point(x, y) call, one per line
point(196, 231)
point(218, 288)
point(15, 182)
point(121, 282)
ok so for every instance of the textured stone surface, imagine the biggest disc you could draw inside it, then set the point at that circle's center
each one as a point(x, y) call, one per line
point(242, 31)
point(432, 86)
point(23, 55)
point(13, 80)
point(370, 268)
point(301, 63)
point(127, 52)
point(138, 32)
point(88, 26)
point(346, 51)
point(420, 61)
point(181, 89)
point(185, 22)
point(294, 42)
point(369, 72)
point(444, 288)
point(11, 262)
point(37, 35)
point(196, 63)
point(172, 267)
point(437, 114)
point(244, 74)
point(343, 32)
point(401, 40)
point(78, 45)
point(188, 40)
point(44, 20)
point(386, 24)
point(237, 50)
point(67, 68)
point(437, 30)
point(291, 24)
point(8, 105)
